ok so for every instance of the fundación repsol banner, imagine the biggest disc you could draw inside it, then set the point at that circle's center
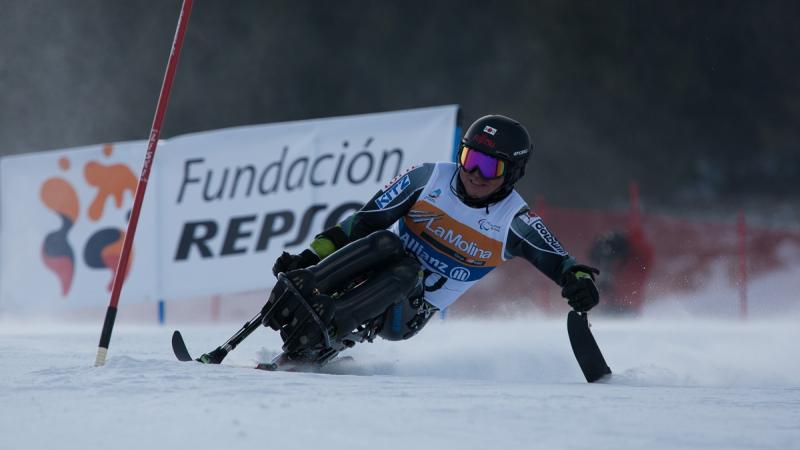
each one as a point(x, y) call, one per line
point(233, 200)
point(220, 206)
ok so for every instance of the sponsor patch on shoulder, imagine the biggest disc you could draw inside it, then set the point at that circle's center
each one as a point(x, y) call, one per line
point(536, 223)
point(530, 217)
point(392, 192)
point(397, 177)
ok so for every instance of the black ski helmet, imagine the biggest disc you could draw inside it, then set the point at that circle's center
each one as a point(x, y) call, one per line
point(504, 138)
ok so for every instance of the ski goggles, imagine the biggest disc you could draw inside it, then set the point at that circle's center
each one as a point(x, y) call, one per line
point(488, 166)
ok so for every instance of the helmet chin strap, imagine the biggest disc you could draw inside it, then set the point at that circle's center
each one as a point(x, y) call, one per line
point(461, 192)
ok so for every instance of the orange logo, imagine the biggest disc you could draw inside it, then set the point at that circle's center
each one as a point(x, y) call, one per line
point(103, 248)
point(451, 237)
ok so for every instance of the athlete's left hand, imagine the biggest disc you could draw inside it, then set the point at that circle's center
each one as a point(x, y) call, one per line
point(579, 289)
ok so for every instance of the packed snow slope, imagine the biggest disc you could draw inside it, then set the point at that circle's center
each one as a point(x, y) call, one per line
point(678, 384)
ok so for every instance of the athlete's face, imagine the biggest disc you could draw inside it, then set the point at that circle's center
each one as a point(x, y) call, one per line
point(476, 186)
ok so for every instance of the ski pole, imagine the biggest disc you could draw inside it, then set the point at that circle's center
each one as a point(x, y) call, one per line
point(155, 132)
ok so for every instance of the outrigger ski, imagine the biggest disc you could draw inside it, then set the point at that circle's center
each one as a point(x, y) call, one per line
point(179, 347)
point(182, 353)
point(585, 347)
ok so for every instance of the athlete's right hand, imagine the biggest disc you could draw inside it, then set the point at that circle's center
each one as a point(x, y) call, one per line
point(287, 261)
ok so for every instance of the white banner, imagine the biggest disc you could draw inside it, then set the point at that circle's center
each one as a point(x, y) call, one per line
point(64, 215)
point(234, 199)
point(220, 205)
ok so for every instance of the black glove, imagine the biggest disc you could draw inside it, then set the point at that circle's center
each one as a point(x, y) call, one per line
point(287, 262)
point(579, 289)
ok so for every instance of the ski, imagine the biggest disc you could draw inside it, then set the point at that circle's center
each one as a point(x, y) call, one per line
point(182, 353)
point(279, 364)
point(588, 354)
point(339, 365)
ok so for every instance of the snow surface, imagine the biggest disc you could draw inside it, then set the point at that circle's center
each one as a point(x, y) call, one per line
point(461, 384)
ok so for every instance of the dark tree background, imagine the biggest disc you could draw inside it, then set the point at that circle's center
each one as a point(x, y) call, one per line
point(697, 100)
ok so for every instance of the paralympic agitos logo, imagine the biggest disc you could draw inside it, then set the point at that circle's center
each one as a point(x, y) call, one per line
point(102, 249)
